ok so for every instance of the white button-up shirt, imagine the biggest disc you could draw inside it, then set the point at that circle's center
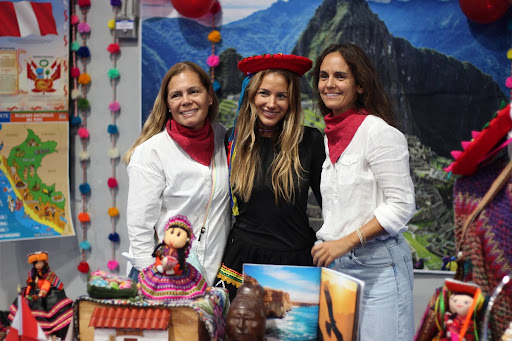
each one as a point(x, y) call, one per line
point(165, 181)
point(370, 179)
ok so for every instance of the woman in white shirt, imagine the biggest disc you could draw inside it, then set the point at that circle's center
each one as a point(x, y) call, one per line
point(367, 192)
point(178, 166)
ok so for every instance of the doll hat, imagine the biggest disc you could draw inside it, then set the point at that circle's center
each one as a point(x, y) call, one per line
point(298, 64)
point(182, 222)
point(480, 147)
point(37, 256)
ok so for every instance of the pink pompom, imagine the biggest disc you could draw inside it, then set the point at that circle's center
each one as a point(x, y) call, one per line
point(74, 19)
point(83, 133)
point(114, 106)
point(75, 72)
point(84, 27)
point(213, 60)
point(112, 182)
point(508, 82)
point(112, 264)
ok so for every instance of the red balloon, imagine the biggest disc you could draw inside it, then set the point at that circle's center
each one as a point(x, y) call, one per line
point(484, 11)
point(192, 8)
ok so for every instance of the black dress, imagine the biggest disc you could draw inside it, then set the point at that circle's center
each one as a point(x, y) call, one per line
point(266, 232)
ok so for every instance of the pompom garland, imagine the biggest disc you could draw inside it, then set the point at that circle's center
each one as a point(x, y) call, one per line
point(84, 27)
point(83, 52)
point(114, 153)
point(75, 93)
point(85, 245)
point(115, 3)
point(83, 103)
point(75, 72)
point(84, 188)
point(84, 3)
point(83, 267)
point(113, 48)
point(84, 79)
point(114, 106)
point(112, 129)
point(84, 156)
point(508, 82)
point(75, 46)
point(213, 61)
point(76, 121)
point(74, 19)
point(112, 265)
point(114, 237)
point(111, 24)
point(83, 132)
point(112, 183)
point(113, 212)
point(84, 217)
point(214, 36)
point(113, 73)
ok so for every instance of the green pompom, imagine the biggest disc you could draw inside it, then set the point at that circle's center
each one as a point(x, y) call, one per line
point(83, 103)
point(75, 46)
point(113, 73)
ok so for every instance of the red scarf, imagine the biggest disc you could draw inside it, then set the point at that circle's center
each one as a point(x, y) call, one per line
point(199, 144)
point(340, 130)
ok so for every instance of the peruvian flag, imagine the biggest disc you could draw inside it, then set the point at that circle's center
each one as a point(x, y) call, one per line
point(23, 18)
point(24, 326)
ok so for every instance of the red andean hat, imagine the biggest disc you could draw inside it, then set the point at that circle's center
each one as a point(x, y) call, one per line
point(480, 148)
point(299, 65)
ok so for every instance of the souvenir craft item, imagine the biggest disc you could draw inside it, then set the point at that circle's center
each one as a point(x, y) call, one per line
point(102, 284)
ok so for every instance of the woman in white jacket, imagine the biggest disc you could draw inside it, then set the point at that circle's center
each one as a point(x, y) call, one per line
point(178, 165)
point(367, 192)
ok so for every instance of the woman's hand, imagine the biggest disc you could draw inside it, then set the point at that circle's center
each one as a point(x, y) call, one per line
point(325, 253)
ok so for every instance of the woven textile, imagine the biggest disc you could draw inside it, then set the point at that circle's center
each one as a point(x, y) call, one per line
point(488, 241)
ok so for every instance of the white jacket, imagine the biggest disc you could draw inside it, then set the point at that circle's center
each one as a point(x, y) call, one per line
point(165, 181)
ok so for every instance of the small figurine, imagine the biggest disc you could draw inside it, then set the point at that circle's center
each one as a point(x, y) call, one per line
point(171, 277)
point(246, 318)
point(460, 304)
point(45, 294)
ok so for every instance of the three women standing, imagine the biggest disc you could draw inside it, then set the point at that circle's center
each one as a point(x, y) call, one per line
point(367, 192)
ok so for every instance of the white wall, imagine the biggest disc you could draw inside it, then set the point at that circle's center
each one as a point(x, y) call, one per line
point(64, 252)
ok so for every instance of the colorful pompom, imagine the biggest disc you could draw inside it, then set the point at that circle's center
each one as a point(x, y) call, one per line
point(75, 46)
point(113, 73)
point(83, 267)
point(74, 19)
point(84, 156)
point(83, 132)
point(84, 27)
point(114, 106)
point(114, 153)
point(84, 217)
point(75, 93)
point(84, 79)
point(84, 3)
point(113, 48)
point(85, 188)
point(76, 121)
point(114, 237)
point(111, 24)
point(83, 103)
point(75, 72)
point(112, 129)
point(83, 52)
point(85, 245)
point(113, 212)
point(112, 182)
point(508, 82)
point(214, 36)
point(115, 3)
point(216, 86)
point(213, 60)
point(112, 265)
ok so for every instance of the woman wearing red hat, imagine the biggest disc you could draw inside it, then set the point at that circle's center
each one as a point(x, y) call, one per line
point(367, 191)
point(274, 161)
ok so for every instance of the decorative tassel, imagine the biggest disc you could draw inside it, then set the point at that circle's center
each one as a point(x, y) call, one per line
point(75, 46)
point(75, 72)
point(213, 61)
point(114, 106)
point(83, 132)
point(112, 265)
point(85, 245)
point(114, 237)
point(83, 52)
point(83, 267)
point(111, 24)
point(84, 79)
point(216, 86)
point(84, 217)
point(83, 103)
point(112, 129)
point(112, 182)
point(75, 93)
point(76, 121)
point(508, 82)
point(113, 73)
point(113, 153)
point(84, 156)
point(113, 212)
point(214, 36)
point(113, 48)
point(85, 188)
point(84, 27)
point(74, 19)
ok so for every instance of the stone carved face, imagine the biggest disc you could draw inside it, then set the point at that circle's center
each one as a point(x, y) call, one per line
point(246, 317)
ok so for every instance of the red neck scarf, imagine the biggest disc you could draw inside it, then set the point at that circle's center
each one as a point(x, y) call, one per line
point(340, 130)
point(198, 144)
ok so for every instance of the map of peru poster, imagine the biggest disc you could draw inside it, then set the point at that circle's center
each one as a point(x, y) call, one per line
point(34, 187)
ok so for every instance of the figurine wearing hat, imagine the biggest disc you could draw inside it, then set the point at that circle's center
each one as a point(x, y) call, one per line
point(172, 277)
point(274, 160)
point(45, 294)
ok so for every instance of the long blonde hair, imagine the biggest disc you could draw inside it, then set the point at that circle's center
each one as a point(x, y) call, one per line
point(159, 115)
point(245, 165)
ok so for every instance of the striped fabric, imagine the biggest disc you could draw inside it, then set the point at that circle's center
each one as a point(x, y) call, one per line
point(24, 18)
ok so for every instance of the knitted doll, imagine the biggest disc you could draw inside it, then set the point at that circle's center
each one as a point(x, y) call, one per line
point(171, 277)
point(455, 318)
point(46, 297)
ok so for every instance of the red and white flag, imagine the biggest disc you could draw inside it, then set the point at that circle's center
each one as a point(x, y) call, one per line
point(24, 326)
point(23, 18)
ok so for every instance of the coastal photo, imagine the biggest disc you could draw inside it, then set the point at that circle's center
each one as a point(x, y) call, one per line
point(291, 299)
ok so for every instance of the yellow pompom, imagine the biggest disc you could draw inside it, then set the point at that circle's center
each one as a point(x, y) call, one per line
point(214, 36)
point(113, 212)
point(111, 24)
point(509, 54)
point(84, 79)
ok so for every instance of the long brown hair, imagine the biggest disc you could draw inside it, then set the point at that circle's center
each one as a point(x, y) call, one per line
point(245, 165)
point(374, 99)
point(159, 115)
